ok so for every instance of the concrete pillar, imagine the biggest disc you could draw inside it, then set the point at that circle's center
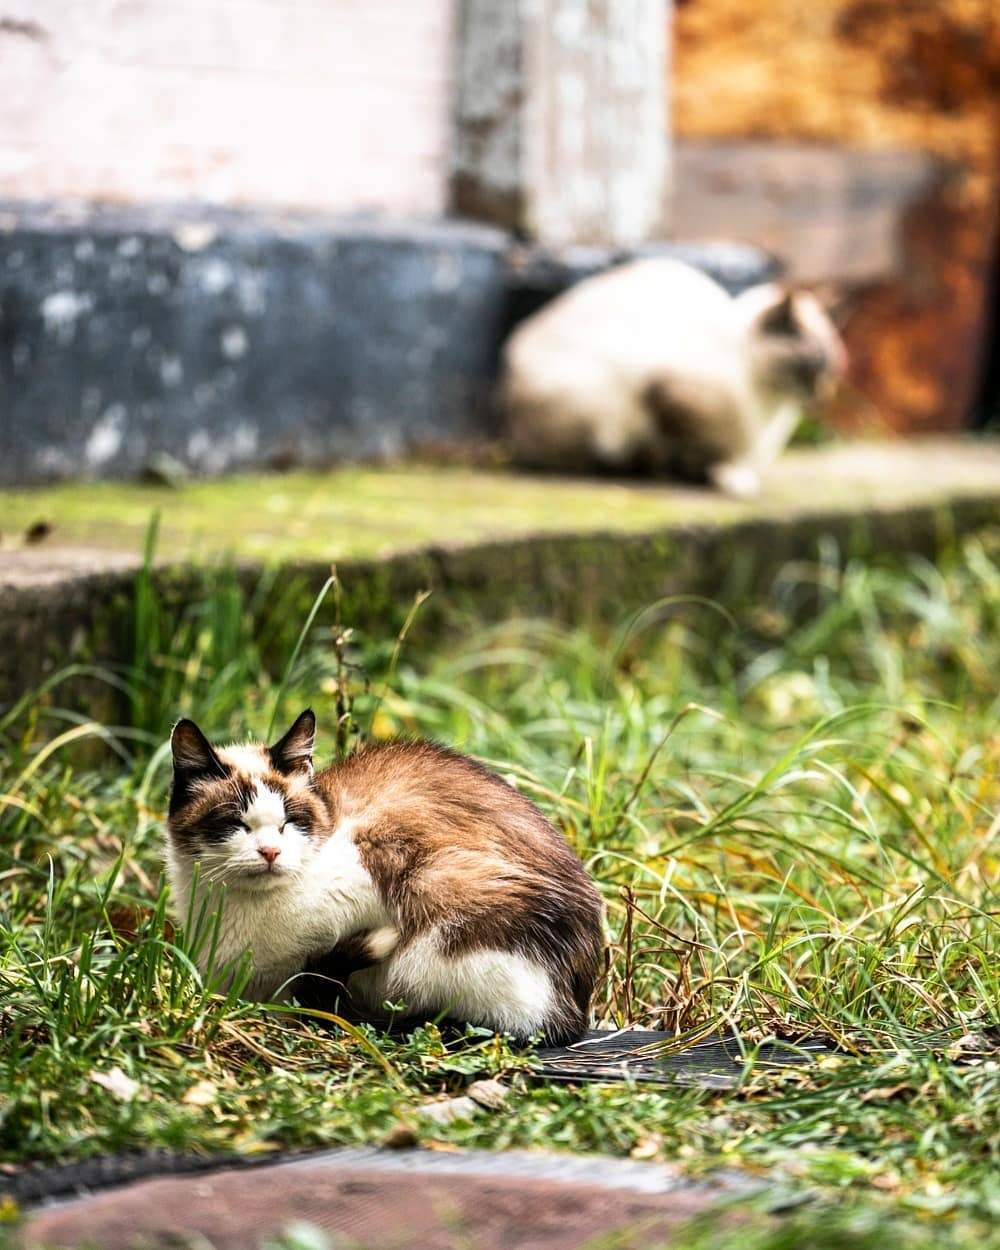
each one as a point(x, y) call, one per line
point(561, 126)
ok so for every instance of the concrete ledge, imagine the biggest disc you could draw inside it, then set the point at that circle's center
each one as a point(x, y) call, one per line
point(617, 548)
point(231, 339)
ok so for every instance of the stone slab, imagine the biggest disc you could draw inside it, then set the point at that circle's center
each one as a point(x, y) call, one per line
point(434, 1201)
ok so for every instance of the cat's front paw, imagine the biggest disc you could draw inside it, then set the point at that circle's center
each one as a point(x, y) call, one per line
point(739, 481)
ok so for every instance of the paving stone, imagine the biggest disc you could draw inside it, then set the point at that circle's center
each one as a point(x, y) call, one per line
point(398, 1199)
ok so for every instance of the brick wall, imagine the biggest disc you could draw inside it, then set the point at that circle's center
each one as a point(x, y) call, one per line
point(325, 104)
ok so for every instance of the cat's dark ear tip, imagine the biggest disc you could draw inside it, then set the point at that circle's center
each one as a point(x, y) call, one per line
point(305, 722)
point(183, 728)
point(190, 748)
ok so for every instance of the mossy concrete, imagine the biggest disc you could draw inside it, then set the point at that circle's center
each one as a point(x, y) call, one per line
point(369, 513)
point(488, 544)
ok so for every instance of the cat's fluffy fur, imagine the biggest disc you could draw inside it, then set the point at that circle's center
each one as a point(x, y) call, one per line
point(653, 367)
point(422, 872)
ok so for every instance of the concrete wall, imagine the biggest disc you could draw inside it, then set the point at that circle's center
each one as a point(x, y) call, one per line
point(235, 338)
point(331, 104)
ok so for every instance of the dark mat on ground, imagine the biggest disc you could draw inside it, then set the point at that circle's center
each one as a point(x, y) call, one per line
point(649, 1055)
point(402, 1199)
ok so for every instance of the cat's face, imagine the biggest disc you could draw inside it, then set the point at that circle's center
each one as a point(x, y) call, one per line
point(797, 351)
point(246, 814)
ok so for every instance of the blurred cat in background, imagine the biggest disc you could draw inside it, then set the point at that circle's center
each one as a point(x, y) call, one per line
point(654, 368)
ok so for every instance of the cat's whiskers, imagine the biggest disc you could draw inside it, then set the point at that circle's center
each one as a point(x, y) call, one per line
point(225, 872)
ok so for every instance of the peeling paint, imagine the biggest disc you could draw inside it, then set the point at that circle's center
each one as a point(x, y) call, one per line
point(560, 118)
point(171, 371)
point(216, 276)
point(61, 309)
point(244, 441)
point(195, 236)
point(234, 342)
point(90, 401)
point(447, 272)
point(251, 293)
point(198, 446)
point(53, 462)
point(106, 437)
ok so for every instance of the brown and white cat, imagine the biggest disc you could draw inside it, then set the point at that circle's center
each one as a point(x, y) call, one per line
point(654, 367)
point(449, 889)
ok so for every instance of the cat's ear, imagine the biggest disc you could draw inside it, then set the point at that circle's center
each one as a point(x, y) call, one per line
point(294, 752)
point(193, 754)
point(779, 317)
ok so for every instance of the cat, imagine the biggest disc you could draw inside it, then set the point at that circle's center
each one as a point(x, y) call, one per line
point(420, 871)
point(654, 367)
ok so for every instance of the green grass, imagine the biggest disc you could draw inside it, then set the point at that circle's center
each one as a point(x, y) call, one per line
point(793, 815)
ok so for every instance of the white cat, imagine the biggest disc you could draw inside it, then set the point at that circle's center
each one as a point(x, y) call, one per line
point(654, 367)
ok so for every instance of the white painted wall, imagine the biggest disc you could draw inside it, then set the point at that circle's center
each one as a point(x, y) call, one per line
point(325, 104)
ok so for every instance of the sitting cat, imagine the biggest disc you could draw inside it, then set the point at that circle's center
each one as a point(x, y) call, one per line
point(654, 367)
point(447, 889)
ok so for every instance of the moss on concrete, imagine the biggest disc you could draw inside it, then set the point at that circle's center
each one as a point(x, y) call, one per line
point(488, 545)
point(347, 513)
point(360, 513)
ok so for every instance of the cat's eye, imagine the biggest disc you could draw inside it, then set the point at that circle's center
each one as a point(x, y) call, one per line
point(243, 826)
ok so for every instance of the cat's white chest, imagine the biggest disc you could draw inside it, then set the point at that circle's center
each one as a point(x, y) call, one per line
point(274, 927)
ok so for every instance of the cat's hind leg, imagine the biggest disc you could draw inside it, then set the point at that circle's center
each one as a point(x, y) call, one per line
point(497, 989)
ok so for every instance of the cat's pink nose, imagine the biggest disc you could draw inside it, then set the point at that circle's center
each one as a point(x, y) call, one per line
point(270, 853)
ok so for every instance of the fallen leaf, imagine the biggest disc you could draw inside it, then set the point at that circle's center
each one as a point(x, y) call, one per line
point(647, 1147)
point(37, 532)
point(383, 726)
point(116, 1083)
point(489, 1094)
point(450, 1109)
point(883, 1093)
point(201, 1094)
